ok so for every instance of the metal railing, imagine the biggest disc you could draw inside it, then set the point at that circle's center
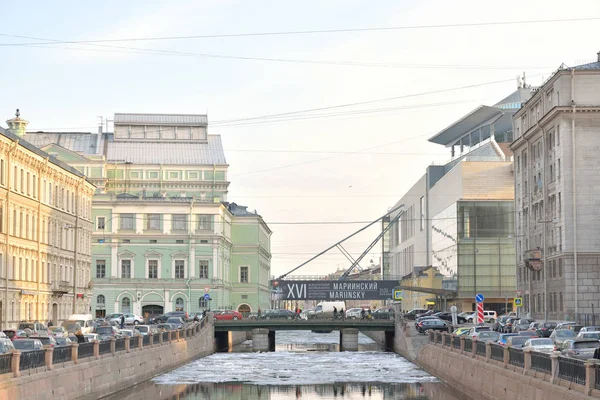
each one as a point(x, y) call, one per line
point(156, 338)
point(571, 370)
point(541, 362)
point(61, 354)
point(456, 342)
point(32, 359)
point(5, 363)
point(146, 340)
point(516, 357)
point(597, 373)
point(120, 344)
point(468, 345)
point(134, 342)
point(165, 336)
point(497, 352)
point(480, 348)
point(105, 347)
point(85, 350)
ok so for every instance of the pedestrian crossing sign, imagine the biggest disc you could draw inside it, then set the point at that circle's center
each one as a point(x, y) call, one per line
point(518, 301)
point(397, 294)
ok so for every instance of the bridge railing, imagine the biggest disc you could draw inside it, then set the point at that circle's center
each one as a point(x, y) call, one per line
point(579, 375)
point(38, 361)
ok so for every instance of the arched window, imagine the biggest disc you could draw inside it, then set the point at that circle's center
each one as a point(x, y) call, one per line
point(100, 299)
point(179, 304)
point(126, 305)
point(202, 303)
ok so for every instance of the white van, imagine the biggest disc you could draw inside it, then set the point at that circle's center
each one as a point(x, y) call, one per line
point(85, 322)
point(325, 308)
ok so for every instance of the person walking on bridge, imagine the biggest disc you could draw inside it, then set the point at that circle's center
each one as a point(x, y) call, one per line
point(334, 312)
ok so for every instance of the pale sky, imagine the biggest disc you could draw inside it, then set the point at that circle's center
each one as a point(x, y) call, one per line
point(299, 169)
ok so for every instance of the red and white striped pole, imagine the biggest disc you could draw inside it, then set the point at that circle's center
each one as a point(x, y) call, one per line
point(479, 313)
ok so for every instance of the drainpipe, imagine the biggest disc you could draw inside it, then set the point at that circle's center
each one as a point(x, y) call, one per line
point(529, 272)
point(544, 223)
point(76, 238)
point(6, 236)
point(40, 266)
point(573, 182)
point(190, 261)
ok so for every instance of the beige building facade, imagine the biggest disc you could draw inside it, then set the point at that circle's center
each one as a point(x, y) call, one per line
point(45, 240)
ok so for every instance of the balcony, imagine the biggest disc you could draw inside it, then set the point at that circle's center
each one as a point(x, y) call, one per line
point(533, 259)
point(61, 287)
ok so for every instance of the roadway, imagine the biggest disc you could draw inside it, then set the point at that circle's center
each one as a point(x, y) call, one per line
point(386, 325)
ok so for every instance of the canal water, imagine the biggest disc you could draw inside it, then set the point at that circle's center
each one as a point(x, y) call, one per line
point(305, 365)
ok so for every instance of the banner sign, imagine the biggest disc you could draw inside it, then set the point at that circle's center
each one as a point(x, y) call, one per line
point(334, 290)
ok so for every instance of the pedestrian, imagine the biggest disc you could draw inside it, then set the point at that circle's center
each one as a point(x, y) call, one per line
point(258, 313)
point(369, 317)
point(122, 321)
point(196, 319)
point(334, 312)
point(342, 313)
point(362, 313)
point(50, 324)
point(79, 336)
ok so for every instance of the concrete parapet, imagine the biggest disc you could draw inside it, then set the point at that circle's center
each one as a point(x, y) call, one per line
point(16, 363)
point(260, 339)
point(75, 351)
point(349, 339)
point(48, 357)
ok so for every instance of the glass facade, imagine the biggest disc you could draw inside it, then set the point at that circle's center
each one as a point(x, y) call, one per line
point(471, 246)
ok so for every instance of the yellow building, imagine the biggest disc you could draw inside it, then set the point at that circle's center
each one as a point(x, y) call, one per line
point(421, 277)
point(45, 233)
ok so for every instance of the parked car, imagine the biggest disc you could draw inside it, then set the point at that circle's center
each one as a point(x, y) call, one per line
point(130, 319)
point(533, 326)
point(128, 332)
point(58, 331)
point(85, 322)
point(429, 317)
point(447, 316)
point(267, 314)
point(504, 337)
point(146, 329)
point(90, 337)
point(163, 318)
point(476, 329)
point(590, 329)
point(383, 313)
point(353, 313)
point(588, 335)
point(412, 314)
point(582, 349)
point(72, 326)
point(508, 325)
point(165, 327)
point(516, 341)
point(13, 334)
point(426, 313)
point(545, 329)
point(521, 325)
point(27, 344)
point(106, 332)
point(432, 325)
point(542, 345)
point(487, 335)
point(6, 345)
point(499, 324)
point(176, 321)
point(558, 336)
point(47, 340)
point(229, 315)
point(63, 341)
point(531, 334)
point(488, 316)
point(36, 327)
point(462, 331)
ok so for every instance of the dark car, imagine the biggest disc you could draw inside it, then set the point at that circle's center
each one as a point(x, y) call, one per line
point(277, 314)
point(582, 349)
point(529, 334)
point(105, 332)
point(163, 318)
point(432, 325)
point(545, 329)
point(176, 321)
point(558, 336)
point(412, 314)
point(521, 325)
point(498, 326)
point(47, 340)
point(516, 341)
point(427, 313)
point(508, 324)
point(382, 313)
point(447, 316)
point(27, 344)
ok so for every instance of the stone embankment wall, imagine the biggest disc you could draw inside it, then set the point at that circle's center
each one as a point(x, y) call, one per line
point(102, 375)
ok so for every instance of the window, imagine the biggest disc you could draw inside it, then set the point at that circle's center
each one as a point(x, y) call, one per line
point(204, 222)
point(28, 184)
point(560, 271)
point(15, 178)
point(126, 305)
point(179, 304)
point(202, 303)
point(422, 212)
point(22, 181)
point(153, 222)
point(125, 268)
point(153, 241)
point(126, 221)
point(179, 269)
point(560, 301)
point(152, 269)
point(100, 300)
point(2, 172)
point(179, 222)
point(179, 241)
point(558, 144)
point(34, 187)
point(101, 223)
point(554, 269)
point(558, 169)
point(243, 274)
point(203, 269)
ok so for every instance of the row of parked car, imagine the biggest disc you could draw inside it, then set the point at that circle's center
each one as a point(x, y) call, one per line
point(462, 318)
point(568, 342)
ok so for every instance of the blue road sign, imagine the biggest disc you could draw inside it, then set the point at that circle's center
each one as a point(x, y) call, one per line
point(479, 298)
point(397, 294)
point(207, 296)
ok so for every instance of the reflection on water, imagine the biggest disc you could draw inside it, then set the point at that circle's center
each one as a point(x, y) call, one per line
point(229, 391)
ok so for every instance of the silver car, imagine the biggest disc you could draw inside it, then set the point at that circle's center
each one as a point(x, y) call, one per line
point(541, 345)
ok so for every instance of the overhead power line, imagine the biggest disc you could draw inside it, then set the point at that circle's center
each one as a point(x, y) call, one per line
point(299, 32)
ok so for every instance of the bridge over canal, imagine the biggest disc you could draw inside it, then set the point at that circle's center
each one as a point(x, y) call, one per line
point(263, 331)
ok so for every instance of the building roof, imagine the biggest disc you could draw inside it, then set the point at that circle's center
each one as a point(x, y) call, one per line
point(591, 65)
point(467, 123)
point(210, 153)
point(161, 119)
point(81, 142)
point(23, 142)
point(239, 210)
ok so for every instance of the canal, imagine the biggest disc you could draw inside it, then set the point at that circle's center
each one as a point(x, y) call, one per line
point(305, 365)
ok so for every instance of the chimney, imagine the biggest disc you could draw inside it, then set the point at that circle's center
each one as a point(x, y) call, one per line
point(17, 125)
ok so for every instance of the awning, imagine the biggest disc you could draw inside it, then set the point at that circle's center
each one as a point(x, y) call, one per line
point(466, 124)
